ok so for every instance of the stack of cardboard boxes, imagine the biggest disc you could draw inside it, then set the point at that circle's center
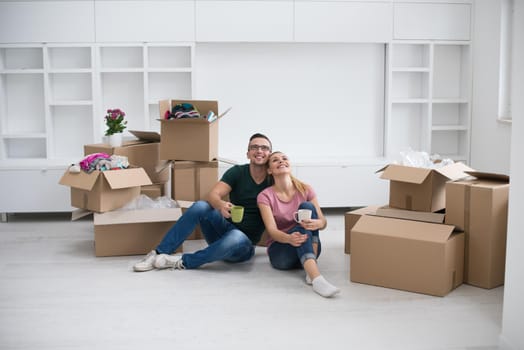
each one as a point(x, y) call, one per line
point(129, 232)
point(191, 146)
point(442, 227)
point(187, 146)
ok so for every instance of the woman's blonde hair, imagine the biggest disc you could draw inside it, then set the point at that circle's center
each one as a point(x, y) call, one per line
point(299, 185)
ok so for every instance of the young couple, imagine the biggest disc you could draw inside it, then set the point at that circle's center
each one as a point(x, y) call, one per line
point(270, 195)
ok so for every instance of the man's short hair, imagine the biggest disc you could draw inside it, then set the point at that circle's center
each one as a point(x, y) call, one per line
point(259, 135)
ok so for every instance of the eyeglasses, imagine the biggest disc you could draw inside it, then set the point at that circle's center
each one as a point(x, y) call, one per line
point(259, 147)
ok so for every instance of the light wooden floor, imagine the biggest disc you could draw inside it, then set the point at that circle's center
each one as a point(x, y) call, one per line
point(54, 294)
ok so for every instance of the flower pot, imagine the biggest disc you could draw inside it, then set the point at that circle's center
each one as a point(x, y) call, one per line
point(115, 140)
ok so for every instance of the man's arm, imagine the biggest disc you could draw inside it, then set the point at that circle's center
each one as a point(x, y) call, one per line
point(214, 197)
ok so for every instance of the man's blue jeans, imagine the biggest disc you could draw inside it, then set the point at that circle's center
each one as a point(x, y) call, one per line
point(225, 241)
point(284, 256)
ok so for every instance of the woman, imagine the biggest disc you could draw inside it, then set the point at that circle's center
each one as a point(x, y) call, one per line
point(293, 245)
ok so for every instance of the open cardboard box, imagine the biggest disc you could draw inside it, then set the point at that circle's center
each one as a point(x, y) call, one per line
point(420, 189)
point(409, 255)
point(479, 207)
point(350, 219)
point(102, 191)
point(193, 139)
point(143, 152)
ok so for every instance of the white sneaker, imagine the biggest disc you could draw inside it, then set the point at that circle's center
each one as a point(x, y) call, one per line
point(146, 263)
point(165, 261)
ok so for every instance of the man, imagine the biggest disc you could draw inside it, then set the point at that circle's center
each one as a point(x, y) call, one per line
point(227, 241)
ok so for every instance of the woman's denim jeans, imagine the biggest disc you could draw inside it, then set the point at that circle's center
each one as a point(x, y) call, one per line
point(225, 241)
point(284, 256)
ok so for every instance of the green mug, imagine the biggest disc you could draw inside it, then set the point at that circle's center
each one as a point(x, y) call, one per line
point(237, 213)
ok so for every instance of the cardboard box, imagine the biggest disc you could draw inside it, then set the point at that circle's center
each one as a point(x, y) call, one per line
point(102, 191)
point(350, 219)
point(408, 255)
point(143, 152)
point(480, 208)
point(132, 232)
point(192, 181)
point(154, 190)
point(420, 189)
point(193, 139)
point(386, 211)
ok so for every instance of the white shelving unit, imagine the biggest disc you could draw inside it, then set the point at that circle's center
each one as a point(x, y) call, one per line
point(135, 77)
point(428, 98)
point(53, 99)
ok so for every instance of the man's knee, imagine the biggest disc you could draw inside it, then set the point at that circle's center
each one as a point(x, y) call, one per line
point(200, 206)
point(241, 247)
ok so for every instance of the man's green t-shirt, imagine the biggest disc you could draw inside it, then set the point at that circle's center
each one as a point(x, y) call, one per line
point(244, 192)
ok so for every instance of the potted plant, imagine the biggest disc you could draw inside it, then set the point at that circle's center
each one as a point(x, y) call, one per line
point(115, 126)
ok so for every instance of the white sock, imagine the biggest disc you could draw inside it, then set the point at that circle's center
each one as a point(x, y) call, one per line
point(324, 288)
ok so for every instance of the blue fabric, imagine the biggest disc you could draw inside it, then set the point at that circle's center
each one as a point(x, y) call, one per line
point(283, 256)
point(225, 241)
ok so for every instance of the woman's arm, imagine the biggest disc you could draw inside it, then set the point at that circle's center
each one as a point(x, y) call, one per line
point(295, 239)
point(315, 224)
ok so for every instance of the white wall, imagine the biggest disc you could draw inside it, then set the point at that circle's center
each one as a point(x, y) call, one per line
point(512, 336)
point(490, 139)
point(315, 101)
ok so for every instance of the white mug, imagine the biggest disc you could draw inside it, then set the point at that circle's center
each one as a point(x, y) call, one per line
point(302, 214)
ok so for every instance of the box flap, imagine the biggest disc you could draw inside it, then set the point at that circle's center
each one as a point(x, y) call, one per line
point(81, 180)
point(125, 178)
point(78, 214)
point(184, 204)
point(146, 135)
point(137, 216)
point(203, 106)
point(404, 173)
point(454, 171)
point(407, 229)
point(389, 212)
point(489, 176)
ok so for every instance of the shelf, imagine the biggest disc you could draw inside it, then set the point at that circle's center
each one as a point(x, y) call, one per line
point(410, 85)
point(409, 100)
point(71, 103)
point(65, 142)
point(409, 56)
point(20, 59)
point(53, 97)
point(70, 59)
point(22, 71)
point(169, 57)
point(70, 86)
point(25, 148)
point(449, 128)
point(429, 98)
point(119, 58)
point(410, 69)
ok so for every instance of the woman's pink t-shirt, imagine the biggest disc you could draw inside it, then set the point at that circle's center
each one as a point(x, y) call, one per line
point(283, 211)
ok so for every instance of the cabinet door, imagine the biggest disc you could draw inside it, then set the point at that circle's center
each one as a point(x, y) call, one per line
point(244, 20)
point(145, 21)
point(33, 190)
point(46, 21)
point(431, 21)
point(342, 22)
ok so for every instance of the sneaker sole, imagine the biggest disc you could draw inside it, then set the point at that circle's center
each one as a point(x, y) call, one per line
point(139, 269)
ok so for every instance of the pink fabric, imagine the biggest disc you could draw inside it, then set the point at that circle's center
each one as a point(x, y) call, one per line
point(86, 162)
